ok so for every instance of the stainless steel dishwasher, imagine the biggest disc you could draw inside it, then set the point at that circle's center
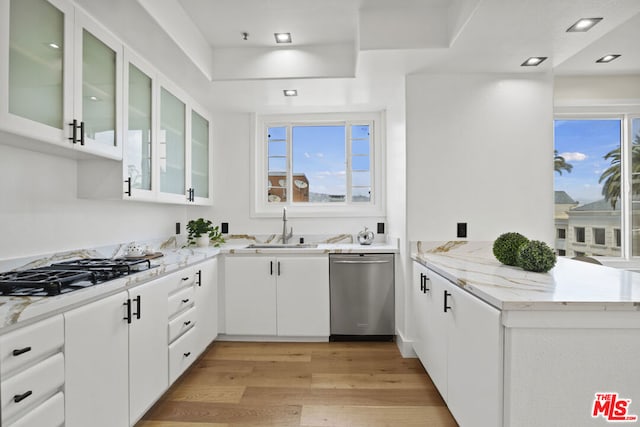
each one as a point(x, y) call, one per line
point(362, 296)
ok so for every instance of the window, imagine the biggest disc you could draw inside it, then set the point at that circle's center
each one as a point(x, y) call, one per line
point(587, 164)
point(562, 233)
point(618, 237)
point(598, 236)
point(578, 253)
point(318, 164)
point(562, 252)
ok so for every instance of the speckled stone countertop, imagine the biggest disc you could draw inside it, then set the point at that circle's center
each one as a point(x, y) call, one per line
point(18, 311)
point(570, 285)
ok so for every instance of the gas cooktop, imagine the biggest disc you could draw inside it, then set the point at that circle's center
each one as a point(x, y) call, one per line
point(63, 277)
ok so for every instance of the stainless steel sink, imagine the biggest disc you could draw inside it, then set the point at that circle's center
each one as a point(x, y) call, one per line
point(281, 246)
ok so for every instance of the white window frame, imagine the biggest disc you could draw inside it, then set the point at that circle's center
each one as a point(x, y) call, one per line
point(625, 114)
point(260, 207)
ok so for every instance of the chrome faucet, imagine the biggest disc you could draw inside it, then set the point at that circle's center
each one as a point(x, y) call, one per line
point(285, 236)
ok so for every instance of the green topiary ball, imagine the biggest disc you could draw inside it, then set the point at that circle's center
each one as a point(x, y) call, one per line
point(506, 246)
point(536, 256)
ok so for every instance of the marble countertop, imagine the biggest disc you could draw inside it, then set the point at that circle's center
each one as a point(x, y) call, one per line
point(570, 285)
point(18, 311)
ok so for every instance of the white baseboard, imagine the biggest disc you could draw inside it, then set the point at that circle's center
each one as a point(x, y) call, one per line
point(269, 338)
point(405, 346)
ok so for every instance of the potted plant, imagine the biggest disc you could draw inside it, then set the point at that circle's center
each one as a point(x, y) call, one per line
point(202, 232)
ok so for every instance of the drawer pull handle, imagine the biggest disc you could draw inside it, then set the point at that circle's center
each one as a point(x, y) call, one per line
point(20, 397)
point(187, 354)
point(20, 351)
point(187, 323)
point(184, 279)
point(185, 300)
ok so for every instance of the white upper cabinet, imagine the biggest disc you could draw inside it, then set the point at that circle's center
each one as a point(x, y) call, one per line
point(138, 163)
point(172, 145)
point(61, 84)
point(199, 189)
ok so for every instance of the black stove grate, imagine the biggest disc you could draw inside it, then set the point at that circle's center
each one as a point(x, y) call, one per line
point(67, 276)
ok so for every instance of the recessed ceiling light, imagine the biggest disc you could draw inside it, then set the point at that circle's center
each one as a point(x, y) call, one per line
point(53, 45)
point(283, 37)
point(534, 61)
point(93, 98)
point(290, 92)
point(607, 58)
point(583, 24)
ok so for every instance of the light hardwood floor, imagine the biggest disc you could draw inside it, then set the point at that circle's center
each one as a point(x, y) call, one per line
point(301, 384)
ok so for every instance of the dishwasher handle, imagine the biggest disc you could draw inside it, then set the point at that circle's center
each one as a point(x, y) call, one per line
point(362, 262)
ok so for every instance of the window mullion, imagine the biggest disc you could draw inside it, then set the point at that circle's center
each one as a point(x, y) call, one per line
point(289, 174)
point(626, 205)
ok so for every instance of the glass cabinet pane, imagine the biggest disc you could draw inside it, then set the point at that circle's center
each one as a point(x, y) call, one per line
point(98, 90)
point(199, 155)
point(171, 145)
point(138, 146)
point(36, 45)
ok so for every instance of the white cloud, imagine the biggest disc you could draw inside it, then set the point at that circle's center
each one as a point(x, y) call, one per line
point(307, 155)
point(321, 155)
point(574, 156)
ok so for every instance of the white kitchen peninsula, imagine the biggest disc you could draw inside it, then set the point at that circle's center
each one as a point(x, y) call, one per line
point(564, 336)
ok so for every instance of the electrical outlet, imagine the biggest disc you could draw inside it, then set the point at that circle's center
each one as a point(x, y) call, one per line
point(462, 229)
point(224, 228)
point(381, 228)
point(177, 228)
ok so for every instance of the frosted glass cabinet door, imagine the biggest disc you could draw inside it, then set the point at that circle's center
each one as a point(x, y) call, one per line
point(171, 145)
point(199, 156)
point(39, 49)
point(138, 147)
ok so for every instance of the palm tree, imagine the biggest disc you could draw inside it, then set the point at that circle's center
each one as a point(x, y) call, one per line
point(560, 164)
point(612, 175)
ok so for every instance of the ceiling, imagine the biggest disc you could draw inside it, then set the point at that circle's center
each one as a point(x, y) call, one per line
point(354, 54)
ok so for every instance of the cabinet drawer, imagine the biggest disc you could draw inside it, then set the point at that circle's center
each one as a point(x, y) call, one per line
point(182, 279)
point(31, 385)
point(181, 300)
point(182, 323)
point(25, 345)
point(49, 414)
point(181, 355)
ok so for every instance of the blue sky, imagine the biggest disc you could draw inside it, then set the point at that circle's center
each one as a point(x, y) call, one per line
point(583, 143)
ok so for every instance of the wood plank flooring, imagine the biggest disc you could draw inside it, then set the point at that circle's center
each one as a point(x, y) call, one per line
point(302, 385)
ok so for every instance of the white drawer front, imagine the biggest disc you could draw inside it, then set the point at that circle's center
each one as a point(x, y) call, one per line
point(182, 323)
point(32, 385)
point(183, 278)
point(181, 355)
point(25, 345)
point(181, 300)
point(49, 414)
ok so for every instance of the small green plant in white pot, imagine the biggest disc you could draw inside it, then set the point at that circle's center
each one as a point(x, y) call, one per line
point(201, 232)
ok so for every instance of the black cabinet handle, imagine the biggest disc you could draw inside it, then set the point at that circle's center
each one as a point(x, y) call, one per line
point(185, 300)
point(139, 307)
point(19, 351)
point(187, 323)
point(199, 277)
point(278, 268)
point(422, 282)
point(184, 279)
point(187, 354)
point(81, 133)
point(128, 182)
point(74, 131)
point(446, 307)
point(424, 287)
point(128, 317)
point(271, 268)
point(20, 397)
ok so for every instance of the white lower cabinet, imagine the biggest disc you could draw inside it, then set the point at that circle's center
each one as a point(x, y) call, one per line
point(116, 357)
point(181, 354)
point(285, 296)
point(459, 340)
point(206, 294)
point(32, 374)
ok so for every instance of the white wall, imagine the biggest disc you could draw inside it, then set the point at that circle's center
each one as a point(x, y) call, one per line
point(232, 188)
point(479, 150)
point(40, 213)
